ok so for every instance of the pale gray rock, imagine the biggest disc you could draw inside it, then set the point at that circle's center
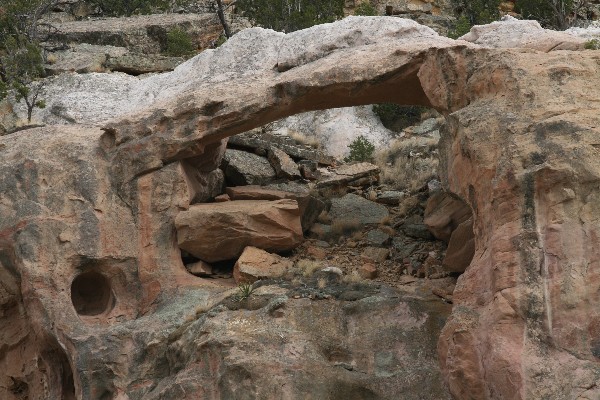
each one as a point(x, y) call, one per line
point(355, 208)
point(283, 164)
point(259, 140)
point(349, 174)
point(335, 128)
point(513, 33)
point(244, 168)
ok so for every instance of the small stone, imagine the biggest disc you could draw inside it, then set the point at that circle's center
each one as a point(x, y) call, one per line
point(200, 268)
point(391, 197)
point(316, 252)
point(375, 254)
point(222, 198)
point(333, 270)
point(368, 271)
point(378, 238)
point(417, 231)
point(356, 208)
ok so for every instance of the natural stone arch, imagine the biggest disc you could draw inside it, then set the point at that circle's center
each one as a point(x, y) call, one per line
point(526, 319)
point(487, 160)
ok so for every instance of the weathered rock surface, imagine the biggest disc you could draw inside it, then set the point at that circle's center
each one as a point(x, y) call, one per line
point(355, 208)
point(349, 174)
point(335, 128)
point(264, 141)
point(513, 33)
point(86, 58)
point(461, 248)
point(89, 210)
point(221, 231)
point(283, 164)
point(255, 264)
point(144, 34)
point(244, 168)
point(444, 213)
point(310, 206)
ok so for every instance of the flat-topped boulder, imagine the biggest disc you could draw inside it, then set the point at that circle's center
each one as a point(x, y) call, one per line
point(220, 231)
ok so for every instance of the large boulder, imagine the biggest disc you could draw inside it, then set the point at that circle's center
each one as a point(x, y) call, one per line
point(221, 231)
point(355, 208)
point(244, 168)
point(310, 206)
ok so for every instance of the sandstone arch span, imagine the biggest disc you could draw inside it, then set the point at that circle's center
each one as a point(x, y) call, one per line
point(520, 146)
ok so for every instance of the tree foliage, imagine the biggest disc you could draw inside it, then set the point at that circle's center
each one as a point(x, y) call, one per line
point(558, 14)
point(21, 57)
point(366, 9)
point(473, 12)
point(361, 149)
point(179, 43)
point(291, 15)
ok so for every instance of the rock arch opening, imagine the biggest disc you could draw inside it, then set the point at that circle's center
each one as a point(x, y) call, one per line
point(92, 294)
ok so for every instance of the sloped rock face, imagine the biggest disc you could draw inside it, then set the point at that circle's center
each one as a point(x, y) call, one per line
point(86, 209)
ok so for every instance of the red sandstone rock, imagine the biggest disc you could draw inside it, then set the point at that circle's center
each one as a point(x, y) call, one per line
point(367, 271)
point(221, 231)
point(255, 264)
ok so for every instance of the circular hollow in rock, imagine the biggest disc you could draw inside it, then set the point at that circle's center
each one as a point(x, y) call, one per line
point(91, 294)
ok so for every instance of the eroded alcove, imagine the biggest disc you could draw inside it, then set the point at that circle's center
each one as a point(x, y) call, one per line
point(92, 294)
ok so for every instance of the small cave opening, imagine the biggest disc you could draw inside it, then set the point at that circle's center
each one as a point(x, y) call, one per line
point(219, 271)
point(91, 294)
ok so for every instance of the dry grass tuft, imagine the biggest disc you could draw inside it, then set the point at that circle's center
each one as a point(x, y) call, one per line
point(310, 141)
point(324, 218)
point(408, 163)
point(344, 227)
point(387, 229)
point(353, 277)
point(308, 267)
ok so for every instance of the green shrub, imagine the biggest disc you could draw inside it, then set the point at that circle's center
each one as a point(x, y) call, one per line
point(557, 14)
point(291, 15)
point(361, 149)
point(179, 43)
point(462, 26)
point(245, 291)
point(473, 12)
point(365, 9)
point(593, 44)
point(21, 56)
point(396, 117)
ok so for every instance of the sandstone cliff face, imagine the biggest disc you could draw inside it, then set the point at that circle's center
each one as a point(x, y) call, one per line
point(91, 209)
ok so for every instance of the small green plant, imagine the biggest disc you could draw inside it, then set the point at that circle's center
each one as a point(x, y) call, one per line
point(179, 43)
point(245, 291)
point(365, 9)
point(462, 26)
point(361, 149)
point(593, 44)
